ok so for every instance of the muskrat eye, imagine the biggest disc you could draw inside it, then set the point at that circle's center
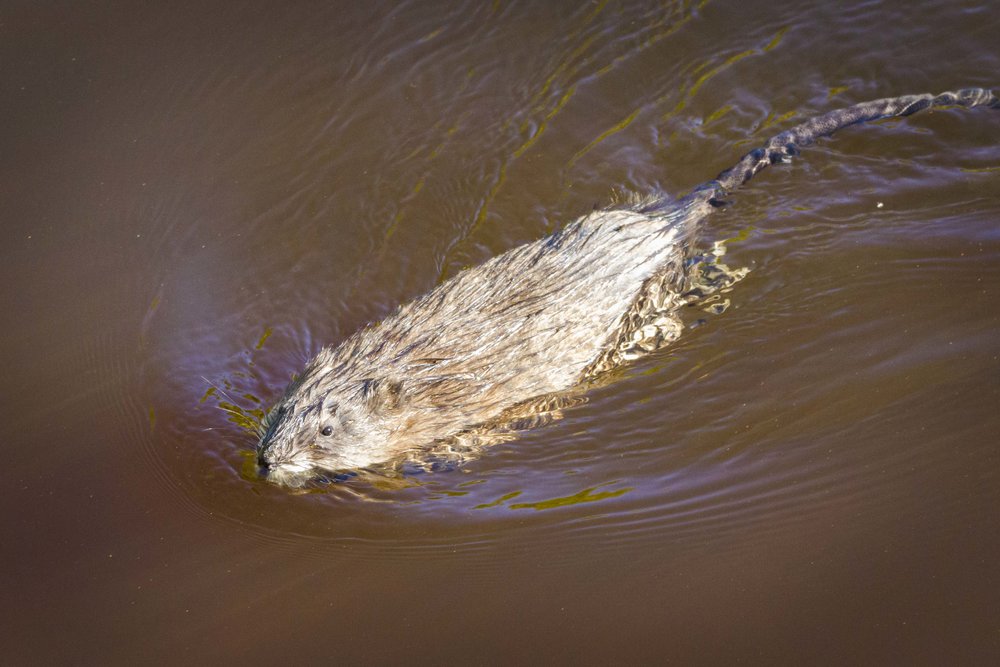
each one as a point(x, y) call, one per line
point(327, 430)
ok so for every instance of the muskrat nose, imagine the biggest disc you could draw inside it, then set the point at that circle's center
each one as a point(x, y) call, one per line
point(264, 458)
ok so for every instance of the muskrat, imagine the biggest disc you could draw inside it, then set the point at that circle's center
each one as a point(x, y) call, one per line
point(530, 323)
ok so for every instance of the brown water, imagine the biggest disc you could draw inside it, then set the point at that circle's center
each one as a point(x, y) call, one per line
point(196, 198)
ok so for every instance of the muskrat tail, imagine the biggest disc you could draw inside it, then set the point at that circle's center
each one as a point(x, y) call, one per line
point(781, 147)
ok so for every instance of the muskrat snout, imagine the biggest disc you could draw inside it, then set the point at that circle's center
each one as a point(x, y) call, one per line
point(264, 459)
point(268, 461)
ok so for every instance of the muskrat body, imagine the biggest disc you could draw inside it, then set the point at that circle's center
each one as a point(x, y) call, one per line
point(532, 322)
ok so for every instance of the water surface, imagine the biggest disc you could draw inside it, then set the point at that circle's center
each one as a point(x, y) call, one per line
point(196, 198)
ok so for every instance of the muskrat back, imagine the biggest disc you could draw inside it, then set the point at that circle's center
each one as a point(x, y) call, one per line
point(534, 321)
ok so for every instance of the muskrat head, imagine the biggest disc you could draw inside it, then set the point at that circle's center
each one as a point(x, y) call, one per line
point(324, 427)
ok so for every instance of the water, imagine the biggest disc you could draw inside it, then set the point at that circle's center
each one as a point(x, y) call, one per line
point(197, 198)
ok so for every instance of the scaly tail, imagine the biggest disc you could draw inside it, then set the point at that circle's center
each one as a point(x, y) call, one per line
point(782, 146)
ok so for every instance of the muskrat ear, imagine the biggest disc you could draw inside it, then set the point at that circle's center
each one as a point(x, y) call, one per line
point(382, 393)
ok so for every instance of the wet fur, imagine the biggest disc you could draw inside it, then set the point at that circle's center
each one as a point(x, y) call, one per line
point(535, 321)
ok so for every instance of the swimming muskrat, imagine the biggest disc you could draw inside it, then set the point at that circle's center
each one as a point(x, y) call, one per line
point(535, 321)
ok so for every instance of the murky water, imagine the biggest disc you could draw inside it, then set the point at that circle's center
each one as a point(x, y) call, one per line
point(197, 198)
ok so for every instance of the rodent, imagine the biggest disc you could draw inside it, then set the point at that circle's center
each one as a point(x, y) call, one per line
point(534, 321)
